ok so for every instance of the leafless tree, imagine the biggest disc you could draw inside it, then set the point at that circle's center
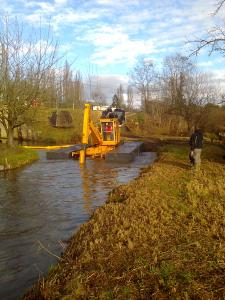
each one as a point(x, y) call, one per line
point(218, 6)
point(185, 89)
point(71, 87)
point(119, 94)
point(98, 96)
point(214, 39)
point(50, 89)
point(143, 77)
point(24, 63)
point(78, 90)
point(130, 98)
point(67, 85)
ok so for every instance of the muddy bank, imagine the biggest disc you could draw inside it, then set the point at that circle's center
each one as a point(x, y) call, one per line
point(159, 237)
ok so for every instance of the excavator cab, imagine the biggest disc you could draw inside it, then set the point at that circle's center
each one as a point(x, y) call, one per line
point(110, 131)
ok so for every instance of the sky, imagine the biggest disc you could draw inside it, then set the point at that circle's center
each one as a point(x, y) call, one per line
point(104, 38)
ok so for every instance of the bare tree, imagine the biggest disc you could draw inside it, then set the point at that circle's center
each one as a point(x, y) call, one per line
point(67, 85)
point(130, 98)
point(218, 6)
point(49, 90)
point(24, 62)
point(119, 93)
point(71, 87)
point(98, 96)
point(185, 89)
point(78, 90)
point(214, 39)
point(143, 78)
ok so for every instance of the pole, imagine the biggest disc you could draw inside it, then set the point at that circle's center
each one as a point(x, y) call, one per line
point(85, 133)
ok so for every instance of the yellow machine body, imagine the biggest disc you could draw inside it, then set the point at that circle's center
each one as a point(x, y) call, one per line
point(98, 140)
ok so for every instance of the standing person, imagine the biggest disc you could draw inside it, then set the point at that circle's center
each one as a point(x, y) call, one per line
point(109, 131)
point(195, 143)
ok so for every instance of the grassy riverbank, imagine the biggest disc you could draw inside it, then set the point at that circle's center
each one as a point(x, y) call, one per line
point(162, 236)
point(12, 158)
point(45, 133)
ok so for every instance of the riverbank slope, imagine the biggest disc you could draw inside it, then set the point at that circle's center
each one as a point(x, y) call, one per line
point(161, 236)
point(12, 158)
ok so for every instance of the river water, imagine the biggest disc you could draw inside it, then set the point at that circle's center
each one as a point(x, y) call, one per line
point(43, 204)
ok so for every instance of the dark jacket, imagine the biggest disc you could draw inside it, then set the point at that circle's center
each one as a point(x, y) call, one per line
point(196, 140)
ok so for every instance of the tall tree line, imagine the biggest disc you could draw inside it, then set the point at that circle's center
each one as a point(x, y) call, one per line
point(180, 88)
point(30, 75)
point(26, 62)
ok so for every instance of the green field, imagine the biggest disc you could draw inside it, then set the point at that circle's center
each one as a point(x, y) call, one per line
point(44, 133)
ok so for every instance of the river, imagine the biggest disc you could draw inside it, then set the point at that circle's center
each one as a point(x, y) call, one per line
point(42, 205)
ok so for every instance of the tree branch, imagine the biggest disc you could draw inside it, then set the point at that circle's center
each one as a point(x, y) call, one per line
point(219, 5)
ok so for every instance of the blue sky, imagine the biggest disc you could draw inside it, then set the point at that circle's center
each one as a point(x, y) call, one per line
point(105, 37)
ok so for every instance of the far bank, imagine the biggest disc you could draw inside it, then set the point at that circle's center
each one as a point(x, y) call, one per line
point(15, 157)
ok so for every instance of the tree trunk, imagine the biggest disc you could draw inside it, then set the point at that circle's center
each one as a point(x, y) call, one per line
point(10, 141)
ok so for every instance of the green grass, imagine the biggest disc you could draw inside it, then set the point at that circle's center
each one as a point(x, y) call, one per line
point(210, 152)
point(45, 133)
point(11, 158)
point(180, 152)
point(160, 236)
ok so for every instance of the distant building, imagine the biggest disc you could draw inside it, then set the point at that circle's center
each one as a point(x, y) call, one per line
point(99, 107)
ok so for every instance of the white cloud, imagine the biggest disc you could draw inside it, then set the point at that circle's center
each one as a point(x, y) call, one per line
point(115, 32)
point(205, 64)
point(61, 2)
point(117, 3)
point(41, 7)
point(70, 16)
point(113, 45)
point(219, 74)
point(123, 52)
point(105, 2)
point(6, 8)
point(138, 17)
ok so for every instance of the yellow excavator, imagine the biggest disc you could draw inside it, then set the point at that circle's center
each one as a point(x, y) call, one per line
point(98, 140)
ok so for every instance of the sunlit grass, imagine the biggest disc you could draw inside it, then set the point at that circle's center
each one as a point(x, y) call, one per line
point(47, 134)
point(11, 158)
point(162, 236)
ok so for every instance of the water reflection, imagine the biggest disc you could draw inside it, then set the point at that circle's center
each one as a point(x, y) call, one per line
point(84, 174)
point(43, 204)
point(97, 177)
